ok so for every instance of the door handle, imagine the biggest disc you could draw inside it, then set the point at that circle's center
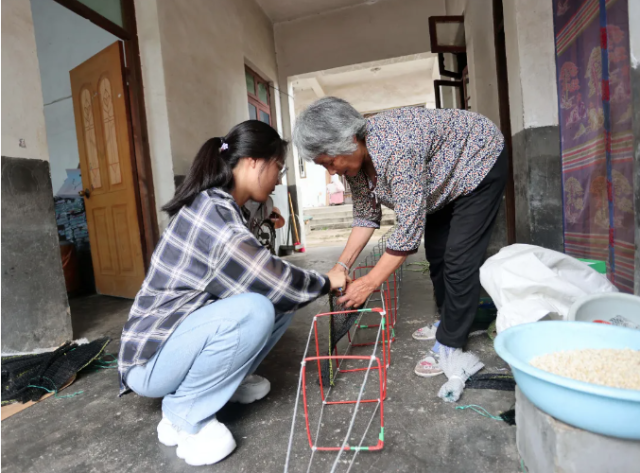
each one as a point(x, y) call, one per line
point(85, 193)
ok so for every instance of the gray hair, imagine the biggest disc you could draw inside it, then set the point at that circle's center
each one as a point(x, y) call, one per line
point(328, 127)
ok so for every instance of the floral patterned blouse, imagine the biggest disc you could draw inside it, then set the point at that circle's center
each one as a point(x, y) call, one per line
point(424, 159)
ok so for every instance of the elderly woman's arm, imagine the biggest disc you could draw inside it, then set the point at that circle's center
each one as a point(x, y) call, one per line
point(367, 214)
point(407, 185)
point(358, 239)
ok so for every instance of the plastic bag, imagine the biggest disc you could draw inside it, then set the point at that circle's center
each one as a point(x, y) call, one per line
point(527, 282)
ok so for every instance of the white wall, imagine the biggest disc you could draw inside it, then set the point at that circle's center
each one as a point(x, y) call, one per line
point(64, 40)
point(533, 94)
point(204, 49)
point(155, 101)
point(313, 188)
point(22, 115)
point(363, 33)
point(193, 56)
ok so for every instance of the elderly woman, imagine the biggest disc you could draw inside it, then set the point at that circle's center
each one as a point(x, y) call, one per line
point(444, 174)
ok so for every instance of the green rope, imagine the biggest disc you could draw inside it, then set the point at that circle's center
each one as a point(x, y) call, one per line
point(522, 466)
point(55, 390)
point(480, 410)
point(423, 264)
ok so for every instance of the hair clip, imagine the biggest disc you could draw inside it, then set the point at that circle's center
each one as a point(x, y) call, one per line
point(224, 147)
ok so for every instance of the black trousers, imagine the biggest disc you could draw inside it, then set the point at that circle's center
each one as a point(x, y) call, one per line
point(455, 240)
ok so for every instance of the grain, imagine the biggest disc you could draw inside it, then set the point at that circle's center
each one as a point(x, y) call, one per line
point(618, 368)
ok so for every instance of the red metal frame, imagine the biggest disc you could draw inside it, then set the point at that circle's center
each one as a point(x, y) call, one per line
point(382, 386)
point(389, 297)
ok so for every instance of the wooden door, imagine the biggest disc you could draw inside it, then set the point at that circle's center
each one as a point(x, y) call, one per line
point(105, 146)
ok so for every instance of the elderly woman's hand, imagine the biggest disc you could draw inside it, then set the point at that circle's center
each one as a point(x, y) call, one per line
point(357, 292)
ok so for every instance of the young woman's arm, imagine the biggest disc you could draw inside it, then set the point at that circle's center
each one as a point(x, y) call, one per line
point(244, 265)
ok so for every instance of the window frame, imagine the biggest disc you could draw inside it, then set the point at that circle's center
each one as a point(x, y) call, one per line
point(457, 84)
point(254, 99)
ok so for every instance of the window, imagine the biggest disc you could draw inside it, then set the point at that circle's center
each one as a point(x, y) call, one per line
point(258, 96)
point(449, 94)
point(447, 34)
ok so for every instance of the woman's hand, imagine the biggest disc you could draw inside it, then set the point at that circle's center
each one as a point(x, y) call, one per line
point(338, 278)
point(357, 292)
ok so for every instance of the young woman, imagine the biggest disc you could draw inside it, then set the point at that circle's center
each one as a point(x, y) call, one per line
point(214, 302)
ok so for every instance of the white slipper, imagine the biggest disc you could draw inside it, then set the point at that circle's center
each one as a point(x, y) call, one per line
point(426, 333)
point(428, 367)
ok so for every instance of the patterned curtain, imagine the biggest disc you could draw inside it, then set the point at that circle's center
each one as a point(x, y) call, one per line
point(594, 98)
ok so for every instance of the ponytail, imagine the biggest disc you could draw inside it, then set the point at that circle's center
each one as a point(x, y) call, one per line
point(213, 165)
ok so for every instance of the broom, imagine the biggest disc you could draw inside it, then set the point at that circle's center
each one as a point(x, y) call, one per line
point(297, 245)
point(458, 366)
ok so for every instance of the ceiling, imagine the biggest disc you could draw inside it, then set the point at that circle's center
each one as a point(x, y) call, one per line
point(372, 86)
point(286, 10)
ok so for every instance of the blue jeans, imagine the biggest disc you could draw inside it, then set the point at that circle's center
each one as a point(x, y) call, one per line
point(203, 362)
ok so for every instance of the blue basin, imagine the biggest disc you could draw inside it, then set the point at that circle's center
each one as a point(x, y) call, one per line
point(596, 408)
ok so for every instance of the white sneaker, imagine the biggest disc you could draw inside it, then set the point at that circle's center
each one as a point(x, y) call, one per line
point(213, 443)
point(169, 434)
point(253, 388)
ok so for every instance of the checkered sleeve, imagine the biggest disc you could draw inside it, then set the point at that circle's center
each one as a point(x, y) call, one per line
point(243, 265)
point(366, 211)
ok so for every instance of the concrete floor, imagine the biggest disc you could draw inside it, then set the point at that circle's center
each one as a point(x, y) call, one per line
point(98, 432)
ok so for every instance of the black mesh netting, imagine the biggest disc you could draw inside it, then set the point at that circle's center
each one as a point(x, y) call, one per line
point(496, 381)
point(339, 325)
point(29, 377)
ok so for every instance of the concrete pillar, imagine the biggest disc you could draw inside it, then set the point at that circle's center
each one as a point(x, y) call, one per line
point(155, 93)
point(534, 122)
point(547, 445)
point(35, 310)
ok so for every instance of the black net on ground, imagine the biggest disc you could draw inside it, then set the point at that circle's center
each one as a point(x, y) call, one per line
point(29, 377)
point(496, 381)
point(509, 416)
point(339, 326)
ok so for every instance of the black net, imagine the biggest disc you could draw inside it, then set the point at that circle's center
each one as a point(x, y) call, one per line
point(496, 381)
point(28, 377)
point(339, 326)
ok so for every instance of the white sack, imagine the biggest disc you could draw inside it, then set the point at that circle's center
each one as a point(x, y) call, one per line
point(527, 282)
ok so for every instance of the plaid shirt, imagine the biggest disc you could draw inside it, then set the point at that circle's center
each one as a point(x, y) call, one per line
point(206, 254)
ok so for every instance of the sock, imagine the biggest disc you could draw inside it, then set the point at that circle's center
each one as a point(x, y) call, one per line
point(439, 347)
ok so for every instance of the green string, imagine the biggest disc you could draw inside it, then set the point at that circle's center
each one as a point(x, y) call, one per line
point(55, 390)
point(423, 264)
point(102, 364)
point(522, 466)
point(480, 410)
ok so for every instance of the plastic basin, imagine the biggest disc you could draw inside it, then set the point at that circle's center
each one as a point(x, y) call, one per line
point(605, 306)
point(601, 409)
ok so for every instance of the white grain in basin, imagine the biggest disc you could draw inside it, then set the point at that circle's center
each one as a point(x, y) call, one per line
point(618, 368)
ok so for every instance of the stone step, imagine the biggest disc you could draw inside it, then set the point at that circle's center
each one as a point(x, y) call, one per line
point(315, 226)
point(341, 215)
point(337, 237)
point(319, 212)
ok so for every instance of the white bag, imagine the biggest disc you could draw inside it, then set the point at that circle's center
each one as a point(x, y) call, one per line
point(527, 282)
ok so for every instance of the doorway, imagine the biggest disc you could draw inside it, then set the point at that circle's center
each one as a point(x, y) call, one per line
point(107, 233)
point(105, 146)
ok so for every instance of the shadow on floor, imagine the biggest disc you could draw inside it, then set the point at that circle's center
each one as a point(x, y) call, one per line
point(96, 316)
